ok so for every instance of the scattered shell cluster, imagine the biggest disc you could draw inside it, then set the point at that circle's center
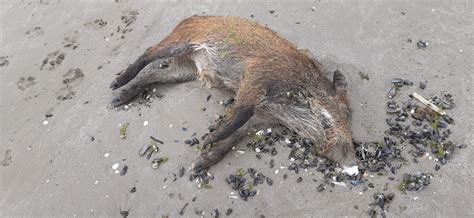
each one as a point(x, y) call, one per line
point(202, 178)
point(416, 182)
point(245, 181)
point(382, 201)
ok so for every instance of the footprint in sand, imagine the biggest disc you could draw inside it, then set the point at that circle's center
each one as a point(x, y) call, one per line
point(96, 24)
point(35, 32)
point(128, 18)
point(53, 59)
point(71, 79)
point(4, 61)
point(71, 40)
point(8, 158)
point(25, 83)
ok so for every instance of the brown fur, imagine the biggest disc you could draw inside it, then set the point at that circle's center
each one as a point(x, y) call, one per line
point(270, 77)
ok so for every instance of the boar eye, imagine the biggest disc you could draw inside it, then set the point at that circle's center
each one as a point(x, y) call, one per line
point(164, 65)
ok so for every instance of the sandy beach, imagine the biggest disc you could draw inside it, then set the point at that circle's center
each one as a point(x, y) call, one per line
point(60, 137)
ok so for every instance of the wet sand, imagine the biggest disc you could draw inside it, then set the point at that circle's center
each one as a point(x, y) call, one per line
point(58, 170)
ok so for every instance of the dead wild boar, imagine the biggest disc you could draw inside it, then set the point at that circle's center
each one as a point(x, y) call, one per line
point(273, 83)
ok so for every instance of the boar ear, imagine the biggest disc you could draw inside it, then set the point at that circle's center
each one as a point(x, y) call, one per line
point(339, 81)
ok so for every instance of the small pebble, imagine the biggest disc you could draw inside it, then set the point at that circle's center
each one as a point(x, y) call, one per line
point(115, 166)
point(124, 170)
point(269, 181)
point(181, 171)
point(106, 154)
point(45, 122)
point(124, 213)
point(422, 85)
point(215, 213)
point(145, 123)
point(321, 188)
point(421, 44)
point(300, 179)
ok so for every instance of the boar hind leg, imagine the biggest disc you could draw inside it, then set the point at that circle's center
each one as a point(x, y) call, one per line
point(150, 55)
point(162, 71)
point(218, 152)
point(247, 99)
point(240, 113)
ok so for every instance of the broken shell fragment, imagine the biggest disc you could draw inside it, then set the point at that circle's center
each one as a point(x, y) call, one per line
point(397, 81)
point(300, 179)
point(155, 163)
point(428, 103)
point(447, 118)
point(392, 110)
point(421, 44)
point(124, 170)
point(321, 188)
point(181, 171)
point(215, 213)
point(390, 122)
point(392, 92)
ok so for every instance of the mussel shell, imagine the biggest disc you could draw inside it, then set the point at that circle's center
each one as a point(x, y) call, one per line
point(397, 81)
point(392, 92)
